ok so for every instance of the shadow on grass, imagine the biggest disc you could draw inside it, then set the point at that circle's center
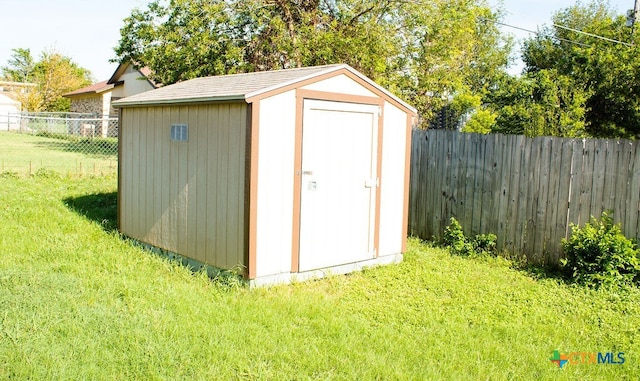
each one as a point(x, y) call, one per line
point(519, 263)
point(100, 207)
point(542, 271)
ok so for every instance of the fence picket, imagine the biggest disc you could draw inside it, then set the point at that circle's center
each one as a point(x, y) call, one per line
point(502, 202)
point(542, 212)
point(633, 210)
point(515, 237)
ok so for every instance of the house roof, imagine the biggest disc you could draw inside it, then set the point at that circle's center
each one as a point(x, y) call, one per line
point(112, 82)
point(242, 87)
point(96, 88)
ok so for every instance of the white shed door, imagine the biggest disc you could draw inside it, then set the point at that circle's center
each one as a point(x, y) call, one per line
point(338, 189)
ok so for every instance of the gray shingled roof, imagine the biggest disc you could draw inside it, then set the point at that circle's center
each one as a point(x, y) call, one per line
point(236, 86)
point(225, 87)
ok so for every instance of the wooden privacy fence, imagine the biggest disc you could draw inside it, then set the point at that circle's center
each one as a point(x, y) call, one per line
point(527, 191)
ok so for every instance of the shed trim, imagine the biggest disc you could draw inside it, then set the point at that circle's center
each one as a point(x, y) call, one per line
point(407, 169)
point(247, 189)
point(120, 185)
point(339, 97)
point(178, 101)
point(376, 232)
point(253, 188)
point(297, 172)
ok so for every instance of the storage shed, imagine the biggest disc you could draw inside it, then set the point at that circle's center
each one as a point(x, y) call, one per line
point(287, 174)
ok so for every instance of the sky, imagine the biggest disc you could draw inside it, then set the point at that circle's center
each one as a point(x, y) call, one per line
point(87, 31)
point(532, 15)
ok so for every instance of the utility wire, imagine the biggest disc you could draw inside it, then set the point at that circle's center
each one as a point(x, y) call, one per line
point(538, 33)
point(592, 35)
point(569, 29)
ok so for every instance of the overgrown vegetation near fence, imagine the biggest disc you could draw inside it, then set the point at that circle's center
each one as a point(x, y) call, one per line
point(526, 191)
point(67, 144)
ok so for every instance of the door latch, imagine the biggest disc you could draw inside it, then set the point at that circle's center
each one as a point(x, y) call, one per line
point(371, 183)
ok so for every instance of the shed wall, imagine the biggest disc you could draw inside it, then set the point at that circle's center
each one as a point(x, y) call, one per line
point(340, 84)
point(392, 185)
point(275, 184)
point(186, 197)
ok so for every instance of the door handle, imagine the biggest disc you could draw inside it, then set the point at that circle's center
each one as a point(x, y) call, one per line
point(371, 183)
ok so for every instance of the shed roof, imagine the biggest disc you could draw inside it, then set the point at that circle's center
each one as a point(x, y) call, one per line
point(242, 86)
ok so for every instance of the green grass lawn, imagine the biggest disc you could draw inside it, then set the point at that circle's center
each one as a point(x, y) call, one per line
point(26, 154)
point(77, 301)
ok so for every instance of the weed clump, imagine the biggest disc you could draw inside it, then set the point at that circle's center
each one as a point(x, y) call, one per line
point(45, 173)
point(599, 254)
point(9, 175)
point(460, 244)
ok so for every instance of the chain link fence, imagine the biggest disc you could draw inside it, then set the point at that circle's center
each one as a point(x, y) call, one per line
point(67, 143)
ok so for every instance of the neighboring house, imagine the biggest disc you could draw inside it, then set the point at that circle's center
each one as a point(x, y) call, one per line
point(8, 106)
point(97, 98)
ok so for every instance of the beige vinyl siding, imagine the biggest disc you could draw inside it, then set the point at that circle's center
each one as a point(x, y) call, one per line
point(186, 197)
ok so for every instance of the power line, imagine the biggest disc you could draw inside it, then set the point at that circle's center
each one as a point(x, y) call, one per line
point(637, 6)
point(592, 35)
point(538, 33)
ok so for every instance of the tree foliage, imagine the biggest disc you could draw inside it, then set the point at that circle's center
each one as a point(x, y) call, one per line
point(20, 66)
point(539, 103)
point(427, 51)
point(606, 73)
point(53, 75)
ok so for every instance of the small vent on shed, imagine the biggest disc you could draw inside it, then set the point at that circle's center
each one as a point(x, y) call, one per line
point(179, 132)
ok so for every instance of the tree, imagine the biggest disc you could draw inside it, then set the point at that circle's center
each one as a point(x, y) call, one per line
point(182, 40)
point(539, 103)
point(455, 50)
point(427, 51)
point(53, 75)
point(20, 66)
point(295, 33)
point(607, 71)
point(56, 75)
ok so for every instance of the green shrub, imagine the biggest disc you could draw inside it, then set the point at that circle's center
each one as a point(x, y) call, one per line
point(9, 175)
point(45, 173)
point(459, 244)
point(599, 254)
